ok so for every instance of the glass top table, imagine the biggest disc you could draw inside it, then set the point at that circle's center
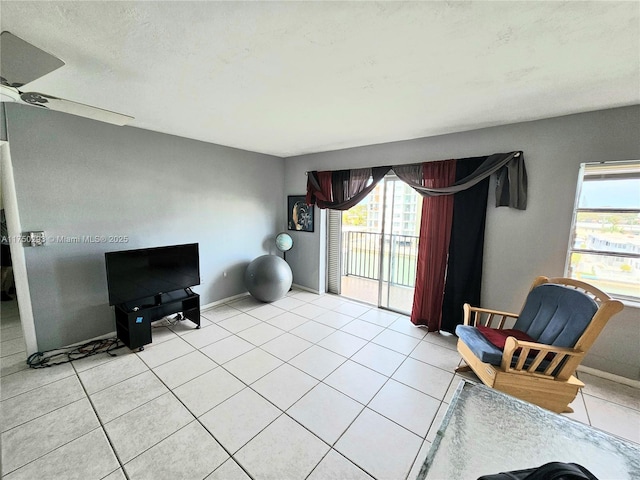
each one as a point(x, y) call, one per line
point(486, 431)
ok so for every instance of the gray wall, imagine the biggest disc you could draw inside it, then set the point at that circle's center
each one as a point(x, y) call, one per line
point(78, 177)
point(519, 245)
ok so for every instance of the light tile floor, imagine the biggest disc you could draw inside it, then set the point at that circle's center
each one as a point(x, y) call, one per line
point(309, 387)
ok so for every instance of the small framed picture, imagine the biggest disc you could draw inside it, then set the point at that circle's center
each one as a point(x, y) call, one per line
point(300, 215)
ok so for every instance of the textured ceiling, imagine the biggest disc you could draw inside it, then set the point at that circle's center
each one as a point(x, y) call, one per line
point(288, 78)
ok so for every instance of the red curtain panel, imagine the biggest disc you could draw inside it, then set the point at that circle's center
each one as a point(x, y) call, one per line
point(435, 233)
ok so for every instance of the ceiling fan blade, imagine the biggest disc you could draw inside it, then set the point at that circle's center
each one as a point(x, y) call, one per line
point(74, 108)
point(12, 94)
point(9, 94)
point(21, 62)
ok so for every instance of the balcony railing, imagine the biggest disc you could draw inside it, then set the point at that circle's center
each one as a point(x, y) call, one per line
point(361, 253)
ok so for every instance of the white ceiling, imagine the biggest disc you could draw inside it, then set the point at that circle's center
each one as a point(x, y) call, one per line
point(288, 78)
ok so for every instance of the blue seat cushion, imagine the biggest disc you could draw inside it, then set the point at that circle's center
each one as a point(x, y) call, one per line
point(479, 345)
point(556, 315)
point(489, 353)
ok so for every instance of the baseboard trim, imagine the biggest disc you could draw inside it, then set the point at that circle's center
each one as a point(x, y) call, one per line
point(223, 300)
point(609, 376)
point(306, 289)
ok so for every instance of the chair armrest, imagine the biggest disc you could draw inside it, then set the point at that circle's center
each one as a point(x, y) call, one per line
point(554, 355)
point(485, 316)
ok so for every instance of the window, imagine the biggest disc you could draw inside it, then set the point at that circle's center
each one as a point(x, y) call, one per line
point(604, 247)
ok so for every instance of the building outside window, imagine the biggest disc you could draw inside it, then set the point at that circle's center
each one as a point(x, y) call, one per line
point(604, 246)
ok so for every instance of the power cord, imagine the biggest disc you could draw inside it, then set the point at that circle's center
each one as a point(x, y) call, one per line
point(168, 321)
point(58, 356)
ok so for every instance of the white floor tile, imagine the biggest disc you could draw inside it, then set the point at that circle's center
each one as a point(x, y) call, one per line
point(317, 361)
point(403, 325)
point(265, 312)
point(380, 447)
point(287, 321)
point(260, 333)
point(229, 470)
point(252, 365)
point(283, 451)
point(189, 453)
point(206, 336)
point(153, 430)
point(406, 406)
point(11, 333)
point(27, 406)
point(611, 417)
point(87, 457)
point(424, 377)
point(396, 341)
point(246, 304)
point(579, 413)
point(610, 391)
point(437, 356)
point(333, 319)
point(123, 397)
point(31, 440)
point(141, 428)
point(284, 386)
point(305, 296)
point(356, 381)
point(342, 343)
point(30, 379)
point(326, 412)
point(239, 418)
point(208, 390)
point(379, 317)
point(181, 370)
point(93, 361)
point(336, 467)
point(220, 312)
point(352, 309)
point(443, 339)
point(115, 475)
point(13, 363)
point(11, 347)
point(288, 303)
point(154, 355)
point(328, 301)
point(312, 331)
point(239, 322)
point(378, 358)
point(185, 326)
point(227, 349)
point(162, 333)
point(309, 311)
point(362, 329)
point(286, 346)
point(108, 374)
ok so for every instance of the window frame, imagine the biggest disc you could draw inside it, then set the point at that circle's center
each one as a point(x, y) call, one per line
point(631, 173)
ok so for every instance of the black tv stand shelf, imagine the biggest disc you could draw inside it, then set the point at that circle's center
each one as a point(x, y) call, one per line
point(133, 319)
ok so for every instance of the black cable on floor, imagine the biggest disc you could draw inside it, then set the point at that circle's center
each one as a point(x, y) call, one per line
point(58, 356)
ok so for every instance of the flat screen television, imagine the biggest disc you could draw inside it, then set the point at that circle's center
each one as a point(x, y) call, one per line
point(148, 272)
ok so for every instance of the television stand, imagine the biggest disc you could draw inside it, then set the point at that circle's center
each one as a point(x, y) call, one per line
point(133, 319)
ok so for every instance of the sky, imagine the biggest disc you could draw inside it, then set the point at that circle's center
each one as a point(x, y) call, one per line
point(624, 193)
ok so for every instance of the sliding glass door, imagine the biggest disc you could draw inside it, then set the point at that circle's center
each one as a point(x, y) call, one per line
point(373, 247)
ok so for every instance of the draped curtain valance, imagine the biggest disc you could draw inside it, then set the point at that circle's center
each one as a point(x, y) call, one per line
point(449, 261)
point(342, 189)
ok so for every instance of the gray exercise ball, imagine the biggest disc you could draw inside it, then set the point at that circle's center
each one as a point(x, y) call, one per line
point(268, 278)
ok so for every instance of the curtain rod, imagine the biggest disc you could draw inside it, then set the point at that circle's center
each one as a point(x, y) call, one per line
point(516, 155)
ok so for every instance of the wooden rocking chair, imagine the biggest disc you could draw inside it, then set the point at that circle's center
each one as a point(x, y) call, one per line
point(536, 359)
